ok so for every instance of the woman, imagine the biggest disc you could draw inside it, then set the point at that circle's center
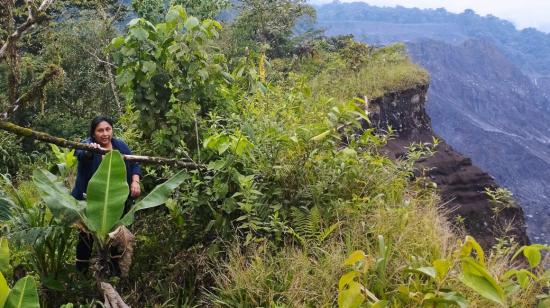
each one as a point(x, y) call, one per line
point(101, 136)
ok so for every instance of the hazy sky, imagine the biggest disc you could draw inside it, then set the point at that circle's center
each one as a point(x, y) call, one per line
point(523, 13)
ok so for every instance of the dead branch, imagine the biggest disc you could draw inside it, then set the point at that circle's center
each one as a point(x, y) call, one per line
point(35, 16)
point(26, 132)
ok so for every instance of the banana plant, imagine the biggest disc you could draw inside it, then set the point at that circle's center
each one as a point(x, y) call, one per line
point(107, 192)
point(24, 293)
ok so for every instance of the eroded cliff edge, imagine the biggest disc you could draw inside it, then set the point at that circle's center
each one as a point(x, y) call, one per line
point(461, 184)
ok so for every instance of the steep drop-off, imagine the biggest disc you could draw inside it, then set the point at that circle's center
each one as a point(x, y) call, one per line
point(460, 183)
point(484, 106)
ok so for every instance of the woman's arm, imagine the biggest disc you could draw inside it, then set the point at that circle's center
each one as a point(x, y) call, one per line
point(83, 154)
point(135, 189)
point(133, 168)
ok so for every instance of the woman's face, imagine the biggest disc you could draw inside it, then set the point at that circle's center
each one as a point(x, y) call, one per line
point(103, 134)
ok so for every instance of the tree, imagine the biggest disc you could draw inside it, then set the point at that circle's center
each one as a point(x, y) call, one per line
point(269, 24)
point(154, 10)
point(171, 74)
point(12, 12)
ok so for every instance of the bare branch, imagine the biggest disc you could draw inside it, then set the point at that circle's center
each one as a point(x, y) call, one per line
point(98, 59)
point(26, 132)
point(35, 16)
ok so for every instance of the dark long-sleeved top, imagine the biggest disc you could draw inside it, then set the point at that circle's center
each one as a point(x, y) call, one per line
point(88, 163)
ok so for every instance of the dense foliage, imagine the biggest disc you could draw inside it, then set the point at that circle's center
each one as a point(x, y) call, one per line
point(297, 205)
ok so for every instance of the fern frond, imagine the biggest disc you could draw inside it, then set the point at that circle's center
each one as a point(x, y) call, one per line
point(296, 236)
point(300, 221)
point(325, 233)
point(315, 221)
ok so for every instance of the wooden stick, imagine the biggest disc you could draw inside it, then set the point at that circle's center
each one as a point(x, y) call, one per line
point(26, 132)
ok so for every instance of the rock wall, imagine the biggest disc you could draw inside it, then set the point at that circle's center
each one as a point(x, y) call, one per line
point(461, 184)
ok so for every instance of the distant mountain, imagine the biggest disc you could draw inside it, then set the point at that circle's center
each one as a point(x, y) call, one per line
point(490, 89)
point(528, 48)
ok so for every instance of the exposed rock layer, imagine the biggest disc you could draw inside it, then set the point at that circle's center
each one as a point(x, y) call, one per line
point(461, 184)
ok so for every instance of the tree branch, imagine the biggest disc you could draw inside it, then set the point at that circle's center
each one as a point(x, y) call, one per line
point(35, 16)
point(37, 88)
point(26, 132)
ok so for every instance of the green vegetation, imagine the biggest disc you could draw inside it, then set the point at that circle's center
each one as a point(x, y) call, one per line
point(297, 206)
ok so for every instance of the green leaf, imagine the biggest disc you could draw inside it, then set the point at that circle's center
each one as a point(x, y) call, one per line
point(533, 255)
point(4, 290)
point(23, 294)
point(5, 208)
point(158, 196)
point(125, 77)
point(483, 287)
point(149, 67)
point(346, 279)
point(242, 145)
point(355, 257)
point(442, 267)
point(523, 278)
point(107, 192)
point(223, 144)
point(139, 33)
point(70, 159)
point(349, 152)
point(57, 197)
point(351, 297)
point(428, 271)
point(176, 14)
point(117, 42)
point(379, 304)
point(60, 156)
point(544, 302)
point(191, 23)
point(470, 244)
point(447, 298)
point(51, 283)
point(4, 255)
point(134, 22)
point(478, 279)
point(321, 136)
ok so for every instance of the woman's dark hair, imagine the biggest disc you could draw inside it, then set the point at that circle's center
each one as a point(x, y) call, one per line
point(95, 122)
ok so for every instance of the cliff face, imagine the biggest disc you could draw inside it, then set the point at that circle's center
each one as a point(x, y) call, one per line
point(460, 183)
point(483, 105)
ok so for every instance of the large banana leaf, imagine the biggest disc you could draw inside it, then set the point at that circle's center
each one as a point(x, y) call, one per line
point(107, 192)
point(23, 294)
point(4, 290)
point(57, 197)
point(158, 196)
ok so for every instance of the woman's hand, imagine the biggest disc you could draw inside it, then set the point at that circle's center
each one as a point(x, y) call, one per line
point(135, 189)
